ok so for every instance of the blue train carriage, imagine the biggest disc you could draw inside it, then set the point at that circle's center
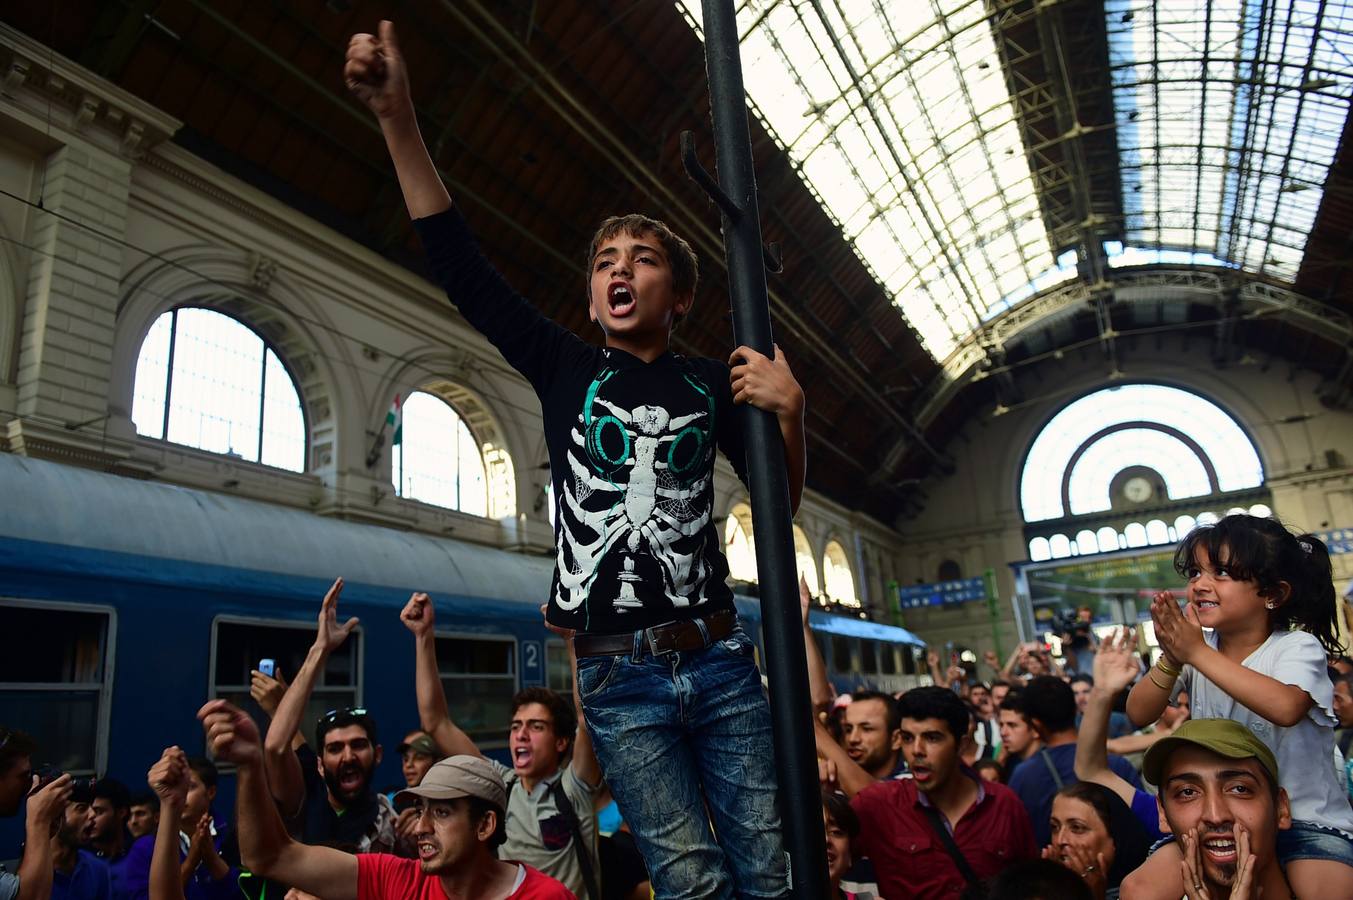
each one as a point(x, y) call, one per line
point(125, 604)
point(861, 654)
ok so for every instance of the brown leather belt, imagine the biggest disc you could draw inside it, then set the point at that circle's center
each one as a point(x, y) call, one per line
point(665, 638)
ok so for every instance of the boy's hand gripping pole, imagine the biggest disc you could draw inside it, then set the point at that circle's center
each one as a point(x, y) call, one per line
point(786, 663)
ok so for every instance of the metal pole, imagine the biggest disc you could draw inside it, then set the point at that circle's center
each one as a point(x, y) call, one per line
point(786, 664)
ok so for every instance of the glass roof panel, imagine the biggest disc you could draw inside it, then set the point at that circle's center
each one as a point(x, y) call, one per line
point(900, 120)
point(1230, 109)
point(898, 115)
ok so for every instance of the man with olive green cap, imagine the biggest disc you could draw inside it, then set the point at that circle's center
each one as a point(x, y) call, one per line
point(1219, 795)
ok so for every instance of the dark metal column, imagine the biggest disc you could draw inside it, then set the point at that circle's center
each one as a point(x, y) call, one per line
point(791, 709)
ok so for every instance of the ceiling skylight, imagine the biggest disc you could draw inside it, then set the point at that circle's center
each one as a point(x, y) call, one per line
point(898, 116)
point(1229, 114)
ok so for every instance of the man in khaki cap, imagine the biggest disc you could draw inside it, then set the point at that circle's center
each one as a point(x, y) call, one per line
point(459, 804)
point(1219, 795)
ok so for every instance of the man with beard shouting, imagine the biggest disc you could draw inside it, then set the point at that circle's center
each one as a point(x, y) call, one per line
point(325, 794)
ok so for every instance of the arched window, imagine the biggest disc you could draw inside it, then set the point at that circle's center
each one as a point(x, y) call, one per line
point(804, 562)
point(839, 582)
point(738, 546)
point(1193, 446)
point(206, 380)
point(439, 461)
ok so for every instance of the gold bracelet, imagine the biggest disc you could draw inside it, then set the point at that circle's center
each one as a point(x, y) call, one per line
point(1163, 687)
point(1167, 669)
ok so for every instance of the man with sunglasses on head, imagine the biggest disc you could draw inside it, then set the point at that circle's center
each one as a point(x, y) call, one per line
point(325, 794)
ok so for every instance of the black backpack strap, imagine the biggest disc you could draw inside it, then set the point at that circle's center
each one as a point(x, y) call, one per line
point(1052, 768)
point(950, 845)
point(579, 844)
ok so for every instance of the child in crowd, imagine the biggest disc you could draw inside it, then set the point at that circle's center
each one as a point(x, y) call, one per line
point(1254, 585)
point(669, 689)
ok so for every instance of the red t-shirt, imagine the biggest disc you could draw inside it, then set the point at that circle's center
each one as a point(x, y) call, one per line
point(384, 877)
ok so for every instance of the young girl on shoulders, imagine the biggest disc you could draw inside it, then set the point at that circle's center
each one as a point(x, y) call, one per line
point(1268, 599)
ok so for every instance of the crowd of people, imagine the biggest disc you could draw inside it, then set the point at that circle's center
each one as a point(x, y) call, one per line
point(1228, 780)
point(657, 777)
point(1218, 770)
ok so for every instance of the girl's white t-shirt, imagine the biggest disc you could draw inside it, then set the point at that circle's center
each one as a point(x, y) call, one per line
point(1303, 750)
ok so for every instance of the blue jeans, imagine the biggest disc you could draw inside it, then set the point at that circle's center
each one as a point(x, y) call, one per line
point(684, 741)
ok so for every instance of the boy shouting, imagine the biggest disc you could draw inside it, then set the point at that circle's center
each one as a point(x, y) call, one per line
point(670, 692)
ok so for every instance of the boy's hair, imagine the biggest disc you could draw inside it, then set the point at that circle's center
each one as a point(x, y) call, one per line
point(204, 768)
point(1081, 676)
point(891, 713)
point(1014, 702)
point(1049, 699)
point(1262, 550)
point(561, 710)
point(839, 808)
point(479, 807)
point(14, 746)
point(990, 764)
point(936, 703)
point(145, 798)
point(685, 266)
point(114, 791)
point(1032, 879)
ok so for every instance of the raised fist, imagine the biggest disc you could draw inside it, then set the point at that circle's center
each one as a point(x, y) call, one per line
point(168, 778)
point(417, 614)
point(231, 735)
point(374, 72)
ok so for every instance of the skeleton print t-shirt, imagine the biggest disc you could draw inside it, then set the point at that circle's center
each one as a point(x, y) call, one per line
point(632, 448)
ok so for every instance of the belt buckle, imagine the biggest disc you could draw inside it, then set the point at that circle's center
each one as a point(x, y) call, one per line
point(652, 638)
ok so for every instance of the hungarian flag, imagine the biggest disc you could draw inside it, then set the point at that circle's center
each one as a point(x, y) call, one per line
point(395, 419)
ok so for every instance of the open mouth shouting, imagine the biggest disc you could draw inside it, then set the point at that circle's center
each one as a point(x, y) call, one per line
point(521, 757)
point(620, 299)
point(1220, 848)
point(351, 778)
point(427, 849)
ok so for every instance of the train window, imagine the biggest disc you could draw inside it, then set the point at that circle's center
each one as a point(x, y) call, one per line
point(909, 661)
point(869, 664)
point(841, 658)
point(238, 645)
point(887, 659)
point(55, 680)
point(479, 675)
point(558, 671)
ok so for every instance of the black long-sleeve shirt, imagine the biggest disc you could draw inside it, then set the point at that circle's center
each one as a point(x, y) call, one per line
point(631, 448)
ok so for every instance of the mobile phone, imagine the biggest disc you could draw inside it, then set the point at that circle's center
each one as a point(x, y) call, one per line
point(268, 667)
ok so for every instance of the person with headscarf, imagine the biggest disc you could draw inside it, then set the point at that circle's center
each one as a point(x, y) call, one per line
point(1096, 835)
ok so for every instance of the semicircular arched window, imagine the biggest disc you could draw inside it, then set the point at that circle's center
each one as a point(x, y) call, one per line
point(839, 582)
point(207, 380)
point(439, 461)
point(739, 545)
point(1136, 439)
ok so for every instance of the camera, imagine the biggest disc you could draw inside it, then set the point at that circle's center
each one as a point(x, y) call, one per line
point(47, 773)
